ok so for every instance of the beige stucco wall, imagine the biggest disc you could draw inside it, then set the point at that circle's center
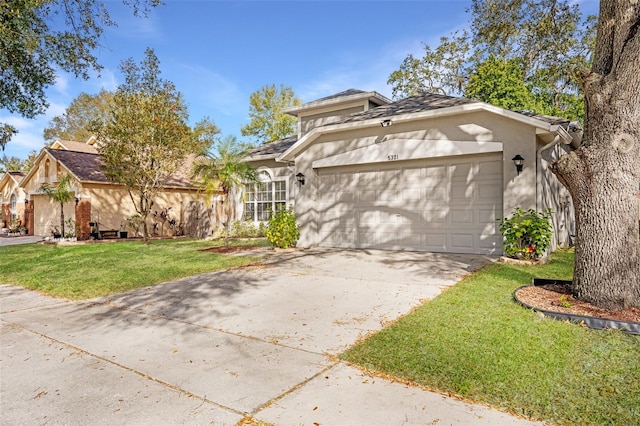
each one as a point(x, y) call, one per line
point(309, 122)
point(476, 127)
point(9, 188)
point(47, 214)
point(111, 206)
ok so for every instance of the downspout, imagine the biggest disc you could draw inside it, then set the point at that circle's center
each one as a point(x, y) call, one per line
point(561, 135)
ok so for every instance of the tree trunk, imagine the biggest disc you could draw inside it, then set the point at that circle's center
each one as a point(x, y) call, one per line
point(604, 174)
point(62, 219)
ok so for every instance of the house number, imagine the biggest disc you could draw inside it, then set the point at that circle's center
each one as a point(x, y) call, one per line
point(392, 157)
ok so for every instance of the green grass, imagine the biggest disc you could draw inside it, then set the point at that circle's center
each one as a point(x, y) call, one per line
point(475, 341)
point(85, 271)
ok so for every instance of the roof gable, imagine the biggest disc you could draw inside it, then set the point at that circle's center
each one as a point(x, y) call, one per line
point(420, 106)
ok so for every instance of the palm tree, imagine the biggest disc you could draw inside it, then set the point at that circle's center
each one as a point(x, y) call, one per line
point(224, 173)
point(60, 193)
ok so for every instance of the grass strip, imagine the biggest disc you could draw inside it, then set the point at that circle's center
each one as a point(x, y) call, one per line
point(474, 341)
point(85, 271)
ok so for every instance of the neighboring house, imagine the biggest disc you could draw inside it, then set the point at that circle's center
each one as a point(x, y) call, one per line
point(98, 201)
point(429, 172)
point(13, 200)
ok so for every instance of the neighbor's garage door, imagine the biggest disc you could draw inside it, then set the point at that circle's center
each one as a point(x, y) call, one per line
point(436, 205)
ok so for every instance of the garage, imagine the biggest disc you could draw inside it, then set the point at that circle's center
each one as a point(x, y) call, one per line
point(447, 204)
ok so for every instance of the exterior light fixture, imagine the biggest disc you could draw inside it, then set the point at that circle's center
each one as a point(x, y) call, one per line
point(26, 201)
point(518, 161)
point(300, 178)
point(385, 123)
point(77, 200)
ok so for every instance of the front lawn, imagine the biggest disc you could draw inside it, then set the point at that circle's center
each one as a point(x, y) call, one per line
point(84, 271)
point(475, 341)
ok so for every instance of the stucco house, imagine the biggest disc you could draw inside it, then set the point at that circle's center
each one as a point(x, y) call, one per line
point(429, 172)
point(98, 201)
point(13, 200)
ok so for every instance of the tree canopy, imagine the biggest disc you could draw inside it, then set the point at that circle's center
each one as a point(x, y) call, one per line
point(147, 138)
point(539, 42)
point(38, 37)
point(74, 123)
point(266, 110)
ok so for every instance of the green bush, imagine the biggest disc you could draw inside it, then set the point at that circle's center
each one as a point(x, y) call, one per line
point(246, 229)
point(527, 234)
point(283, 230)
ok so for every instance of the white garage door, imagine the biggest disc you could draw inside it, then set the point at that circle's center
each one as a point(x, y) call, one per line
point(434, 205)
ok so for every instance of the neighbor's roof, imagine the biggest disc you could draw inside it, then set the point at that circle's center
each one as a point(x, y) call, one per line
point(88, 167)
point(74, 146)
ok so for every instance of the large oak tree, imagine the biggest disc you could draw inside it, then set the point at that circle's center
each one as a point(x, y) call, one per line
point(603, 175)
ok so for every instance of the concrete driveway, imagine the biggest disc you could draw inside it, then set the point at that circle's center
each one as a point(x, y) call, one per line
point(216, 348)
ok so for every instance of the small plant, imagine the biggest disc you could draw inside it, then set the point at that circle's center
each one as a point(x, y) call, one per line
point(135, 222)
point(70, 228)
point(527, 234)
point(565, 301)
point(283, 230)
point(246, 229)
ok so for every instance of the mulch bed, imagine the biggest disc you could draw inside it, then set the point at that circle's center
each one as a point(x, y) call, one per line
point(230, 249)
point(557, 298)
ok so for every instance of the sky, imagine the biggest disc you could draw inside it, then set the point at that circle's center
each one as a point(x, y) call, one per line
point(219, 52)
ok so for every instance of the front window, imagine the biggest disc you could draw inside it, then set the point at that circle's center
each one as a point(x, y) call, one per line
point(268, 196)
point(14, 206)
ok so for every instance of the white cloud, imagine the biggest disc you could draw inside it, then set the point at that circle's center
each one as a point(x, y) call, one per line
point(62, 82)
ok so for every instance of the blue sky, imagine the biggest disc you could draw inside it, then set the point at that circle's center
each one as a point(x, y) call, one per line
point(219, 52)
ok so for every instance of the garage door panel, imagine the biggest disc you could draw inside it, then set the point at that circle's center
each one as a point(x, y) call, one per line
point(367, 196)
point(436, 241)
point(462, 241)
point(461, 172)
point(437, 216)
point(489, 191)
point(459, 216)
point(413, 177)
point(490, 170)
point(412, 194)
point(439, 205)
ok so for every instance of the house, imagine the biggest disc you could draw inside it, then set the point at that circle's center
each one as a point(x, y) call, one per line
point(99, 205)
point(429, 172)
point(14, 202)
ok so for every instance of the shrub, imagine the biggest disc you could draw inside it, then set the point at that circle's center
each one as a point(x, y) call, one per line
point(527, 234)
point(246, 229)
point(283, 230)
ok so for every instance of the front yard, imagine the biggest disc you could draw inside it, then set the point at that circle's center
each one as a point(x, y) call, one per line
point(474, 341)
point(85, 271)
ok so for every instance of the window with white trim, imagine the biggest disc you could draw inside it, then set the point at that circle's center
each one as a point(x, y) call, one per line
point(269, 195)
point(14, 206)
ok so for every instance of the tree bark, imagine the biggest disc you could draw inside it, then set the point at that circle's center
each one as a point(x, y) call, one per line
point(603, 175)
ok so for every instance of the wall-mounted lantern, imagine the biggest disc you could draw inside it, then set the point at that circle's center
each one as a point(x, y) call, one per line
point(77, 200)
point(26, 201)
point(518, 161)
point(300, 178)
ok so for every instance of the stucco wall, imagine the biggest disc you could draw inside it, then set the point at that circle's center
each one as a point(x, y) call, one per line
point(111, 206)
point(477, 127)
point(309, 122)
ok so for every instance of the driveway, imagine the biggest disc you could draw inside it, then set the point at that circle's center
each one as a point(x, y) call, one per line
point(218, 347)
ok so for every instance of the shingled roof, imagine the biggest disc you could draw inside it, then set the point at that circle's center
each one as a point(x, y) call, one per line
point(273, 148)
point(88, 167)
